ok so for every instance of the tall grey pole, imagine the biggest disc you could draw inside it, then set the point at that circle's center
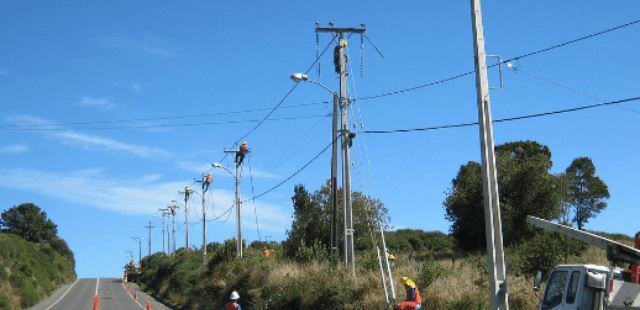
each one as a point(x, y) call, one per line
point(149, 236)
point(493, 225)
point(162, 229)
point(346, 138)
point(204, 231)
point(238, 212)
point(187, 191)
point(346, 167)
point(173, 226)
point(334, 180)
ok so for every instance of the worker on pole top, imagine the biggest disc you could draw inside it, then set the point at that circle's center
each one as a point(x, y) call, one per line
point(205, 182)
point(240, 154)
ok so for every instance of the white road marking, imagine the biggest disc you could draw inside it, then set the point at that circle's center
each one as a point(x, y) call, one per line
point(65, 294)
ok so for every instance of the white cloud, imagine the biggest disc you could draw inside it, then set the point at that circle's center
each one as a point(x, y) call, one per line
point(14, 149)
point(86, 141)
point(149, 44)
point(142, 195)
point(136, 87)
point(97, 102)
point(4, 72)
point(90, 142)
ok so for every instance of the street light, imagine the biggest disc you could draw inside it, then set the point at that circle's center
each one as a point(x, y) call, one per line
point(139, 246)
point(238, 206)
point(334, 163)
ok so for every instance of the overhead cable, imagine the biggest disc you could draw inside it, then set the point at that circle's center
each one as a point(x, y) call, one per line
point(505, 119)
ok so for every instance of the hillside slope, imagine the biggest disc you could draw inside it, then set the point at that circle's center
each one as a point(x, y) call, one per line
point(31, 271)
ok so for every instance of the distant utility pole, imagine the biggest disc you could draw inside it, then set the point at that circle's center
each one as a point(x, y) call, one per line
point(162, 228)
point(346, 135)
point(173, 225)
point(205, 187)
point(493, 225)
point(187, 192)
point(149, 236)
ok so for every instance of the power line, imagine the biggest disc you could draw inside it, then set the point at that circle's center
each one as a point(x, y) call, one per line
point(512, 59)
point(157, 126)
point(505, 119)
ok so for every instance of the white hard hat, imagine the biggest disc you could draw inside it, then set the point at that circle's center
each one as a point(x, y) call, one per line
point(234, 295)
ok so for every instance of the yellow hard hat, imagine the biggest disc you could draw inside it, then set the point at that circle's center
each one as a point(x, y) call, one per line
point(245, 142)
point(406, 281)
point(391, 256)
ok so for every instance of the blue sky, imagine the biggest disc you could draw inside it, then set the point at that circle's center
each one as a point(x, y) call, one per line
point(110, 108)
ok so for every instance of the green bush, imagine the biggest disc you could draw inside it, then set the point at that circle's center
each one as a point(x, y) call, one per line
point(307, 254)
point(430, 272)
point(4, 302)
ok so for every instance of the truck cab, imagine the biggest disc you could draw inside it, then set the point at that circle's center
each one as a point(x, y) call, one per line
point(590, 287)
point(575, 287)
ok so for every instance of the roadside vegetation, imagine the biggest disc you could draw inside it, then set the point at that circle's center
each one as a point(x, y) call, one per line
point(34, 261)
point(450, 270)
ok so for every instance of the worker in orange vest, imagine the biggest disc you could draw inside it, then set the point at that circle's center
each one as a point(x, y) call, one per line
point(240, 154)
point(233, 305)
point(205, 182)
point(413, 301)
point(266, 252)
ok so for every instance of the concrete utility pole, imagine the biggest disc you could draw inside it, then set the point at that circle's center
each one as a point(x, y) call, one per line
point(340, 62)
point(149, 236)
point(493, 224)
point(238, 205)
point(173, 225)
point(162, 228)
point(187, 192)
point(334, 164)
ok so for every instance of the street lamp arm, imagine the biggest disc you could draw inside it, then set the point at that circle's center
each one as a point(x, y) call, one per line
point(302, 77)
point(217, 165)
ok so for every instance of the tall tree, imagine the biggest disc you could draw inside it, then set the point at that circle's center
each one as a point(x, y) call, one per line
point(312, 214)
point(29, 222)
point(587, 191)
point(525, 185)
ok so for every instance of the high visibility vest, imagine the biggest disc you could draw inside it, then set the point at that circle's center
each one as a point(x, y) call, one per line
point(232, 305)
point(266, 253)
point(417, 298)
point(208, 178)
point(243, 148)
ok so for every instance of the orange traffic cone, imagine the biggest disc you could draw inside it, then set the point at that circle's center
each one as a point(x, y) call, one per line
point(135, 296)
point(95, 303)
point(148, 306)
point(127, 288)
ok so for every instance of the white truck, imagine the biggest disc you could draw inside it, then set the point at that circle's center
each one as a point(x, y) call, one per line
point(592, 287)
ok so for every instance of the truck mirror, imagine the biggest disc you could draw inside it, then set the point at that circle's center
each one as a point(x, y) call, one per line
point(536, 282)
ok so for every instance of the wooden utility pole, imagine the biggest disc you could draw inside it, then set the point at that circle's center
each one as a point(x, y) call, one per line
point(341, 66)
point(493, 224)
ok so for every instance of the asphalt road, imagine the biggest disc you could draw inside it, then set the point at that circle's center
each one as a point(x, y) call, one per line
point(112, 295)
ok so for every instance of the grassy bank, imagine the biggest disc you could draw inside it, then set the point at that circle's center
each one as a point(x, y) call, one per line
point(31, 271)
point(446, 281)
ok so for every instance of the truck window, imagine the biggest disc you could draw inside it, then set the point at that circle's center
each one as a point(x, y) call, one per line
point(573, 287)
point(555, 290)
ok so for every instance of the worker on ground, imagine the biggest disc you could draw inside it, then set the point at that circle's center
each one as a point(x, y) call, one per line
point(205, 182)
point(413, 301)
point(233, 305)
point(266, 252)
point(392, 264)
point(240, 154)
